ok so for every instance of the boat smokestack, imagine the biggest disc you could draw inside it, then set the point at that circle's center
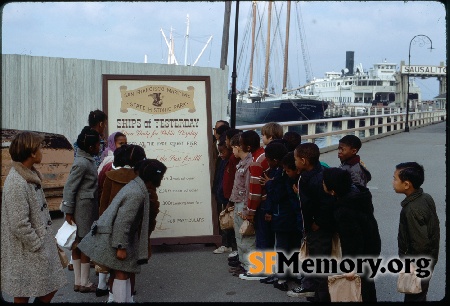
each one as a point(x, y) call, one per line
point(350, 61)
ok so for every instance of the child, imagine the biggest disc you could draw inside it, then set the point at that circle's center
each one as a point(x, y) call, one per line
point(221, 199)
point(239, 194)
point(98, 121)
point(29, 258)
point(115, 140)
point(355, 223)
point(126, 158)
point(249, 142)
point(265, 237)
point(228, 181)
point(293, 139)
point(418, 231)
point(280, 207)
point(316, 208)
point(119, 239)
point(271, 131)
point(80, 202)
point(348, 148)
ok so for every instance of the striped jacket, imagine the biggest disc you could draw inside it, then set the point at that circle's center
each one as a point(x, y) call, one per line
point(256, 192)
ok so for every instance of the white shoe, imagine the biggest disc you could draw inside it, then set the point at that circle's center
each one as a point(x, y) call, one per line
point(222, 249)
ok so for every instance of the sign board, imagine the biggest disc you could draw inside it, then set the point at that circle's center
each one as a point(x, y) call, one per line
point(424, 70)
point(170, 117)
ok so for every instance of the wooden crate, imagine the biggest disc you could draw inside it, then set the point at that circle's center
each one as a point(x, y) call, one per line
point(57, 159)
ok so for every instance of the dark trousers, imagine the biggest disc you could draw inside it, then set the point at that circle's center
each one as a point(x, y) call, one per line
point(319, 244)
point(368, 290)
point(228, 238)
point(265, 237)
point(287, 242)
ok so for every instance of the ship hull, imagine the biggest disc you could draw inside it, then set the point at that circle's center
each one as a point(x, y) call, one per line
point(280, 110)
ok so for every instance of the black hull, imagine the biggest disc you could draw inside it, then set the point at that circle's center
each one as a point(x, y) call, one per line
point(280, 110)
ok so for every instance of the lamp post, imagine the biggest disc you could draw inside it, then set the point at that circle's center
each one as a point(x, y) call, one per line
point(421, 40)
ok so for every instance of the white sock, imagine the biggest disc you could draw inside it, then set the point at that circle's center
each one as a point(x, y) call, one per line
point(110, 297)
point(85, 271)
point(129, 297)
point(77, 270)
point(71, 262)
point(120, 291)
point(102, 281)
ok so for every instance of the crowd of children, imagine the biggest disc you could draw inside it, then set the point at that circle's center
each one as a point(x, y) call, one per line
point(281, 187)
point(289, 195)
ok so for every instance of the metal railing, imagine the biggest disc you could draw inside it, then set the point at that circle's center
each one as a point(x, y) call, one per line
point(365, 127)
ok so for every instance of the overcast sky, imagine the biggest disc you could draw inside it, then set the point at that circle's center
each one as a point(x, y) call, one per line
point(127, 31)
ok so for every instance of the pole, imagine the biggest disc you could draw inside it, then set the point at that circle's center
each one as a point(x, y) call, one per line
point(421, 43)
point(225, 35)
point(233, 74)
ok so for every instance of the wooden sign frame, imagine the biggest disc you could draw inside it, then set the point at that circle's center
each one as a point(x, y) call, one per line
point(170, 116)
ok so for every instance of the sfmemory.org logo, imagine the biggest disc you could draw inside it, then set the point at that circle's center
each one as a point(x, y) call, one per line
point(278, 262)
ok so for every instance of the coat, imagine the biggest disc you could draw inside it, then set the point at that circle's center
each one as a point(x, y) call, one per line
point(118, 227)
point(356, 224)
point(316, 205)
point(30, 265)
point(418, 230)
point(282, 202)
point(80, 194)
point(114, 181)
point(358, 171)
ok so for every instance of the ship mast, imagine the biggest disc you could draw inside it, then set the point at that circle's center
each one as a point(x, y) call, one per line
point(266, 73)
point(286, 46)
point(250, 88)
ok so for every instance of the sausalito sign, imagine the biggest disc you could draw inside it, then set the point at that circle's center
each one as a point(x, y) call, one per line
point(424, 70)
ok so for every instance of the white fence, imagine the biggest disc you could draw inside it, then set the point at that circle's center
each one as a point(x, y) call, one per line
point(365, 127)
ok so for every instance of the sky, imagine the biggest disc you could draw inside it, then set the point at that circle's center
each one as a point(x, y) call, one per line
point(376, 31)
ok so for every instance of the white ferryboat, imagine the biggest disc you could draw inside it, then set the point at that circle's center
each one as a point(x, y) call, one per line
point(356, 87)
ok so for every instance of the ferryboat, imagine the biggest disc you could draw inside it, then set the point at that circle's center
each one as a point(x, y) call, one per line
point(360, 88)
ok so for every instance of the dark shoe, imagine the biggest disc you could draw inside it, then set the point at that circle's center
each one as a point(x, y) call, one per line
point(234, 269)
point(89, 288)
point(234, 263)
point(300, 292)
point(70, 267)
point(239, 271)
point(283, 286)
point(233, 258)
point(76, 288)
point(101, 292)
point(269, 280)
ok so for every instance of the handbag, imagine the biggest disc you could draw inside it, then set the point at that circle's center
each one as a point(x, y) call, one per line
point(62, 257)
point(336, 251)
point(409, 283)
point(343, 290)
point(247, 228)
point(304, 253)
point(66, 234)
point(226, 218)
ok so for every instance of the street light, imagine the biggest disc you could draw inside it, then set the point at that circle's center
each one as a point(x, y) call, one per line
point(421, 40)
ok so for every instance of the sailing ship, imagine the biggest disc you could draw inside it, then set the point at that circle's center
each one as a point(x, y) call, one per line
point(257, 104)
